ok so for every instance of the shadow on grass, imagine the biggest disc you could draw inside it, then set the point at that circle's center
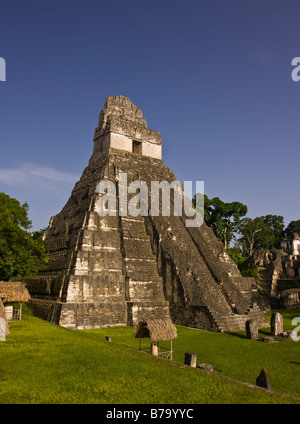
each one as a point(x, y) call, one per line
point(242, 335)
point(265, 332)
point(236, 334)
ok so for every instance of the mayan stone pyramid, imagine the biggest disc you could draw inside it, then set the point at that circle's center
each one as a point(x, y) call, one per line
point(119, 269)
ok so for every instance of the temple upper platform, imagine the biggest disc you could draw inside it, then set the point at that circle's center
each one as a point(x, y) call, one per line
point(121, 126)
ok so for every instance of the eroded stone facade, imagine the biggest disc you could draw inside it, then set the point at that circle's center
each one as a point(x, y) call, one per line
point(122, 127)
point(117, 270)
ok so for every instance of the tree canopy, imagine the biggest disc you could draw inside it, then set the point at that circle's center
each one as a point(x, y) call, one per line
point(261, 232)
point(21, 252)
point(293, 227)
point(222, 217)
point(229, 223)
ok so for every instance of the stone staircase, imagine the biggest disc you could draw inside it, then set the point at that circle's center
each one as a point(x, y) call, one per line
point(266, 279)
point(143, 284)
point(279, 275)
point(236, 322)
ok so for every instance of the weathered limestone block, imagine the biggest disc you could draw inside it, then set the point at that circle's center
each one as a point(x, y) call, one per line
point(263, 380)
point(252, 329)
point(143, 309)
point(190, 359)
point(206, 367)
point(268, 339)
point(93, 315)
point(121, 124)
point(290, 299)
point(276, 324)
point(153, 349)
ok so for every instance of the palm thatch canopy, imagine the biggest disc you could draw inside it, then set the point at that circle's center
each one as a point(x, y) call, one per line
point(13, 291)
point(158, 329)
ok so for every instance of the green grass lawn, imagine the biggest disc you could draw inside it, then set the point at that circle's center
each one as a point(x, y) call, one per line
point(43, 363)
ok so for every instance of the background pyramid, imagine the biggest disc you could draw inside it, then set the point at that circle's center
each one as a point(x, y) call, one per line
point(117, 270)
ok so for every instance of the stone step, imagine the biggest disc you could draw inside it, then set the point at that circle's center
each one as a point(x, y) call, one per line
point(142, 270)
point(141, 310)
point(134, 228)
point(143, 281)
point(145, 290)
point(103, 239)
point(234, 322)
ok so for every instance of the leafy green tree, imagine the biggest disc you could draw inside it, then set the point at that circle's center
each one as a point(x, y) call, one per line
point(249, 229)
point(235, 254)
point(293, 227)
point(21, 252)
point(261, 232)
point(223, 217)
point(276, 225)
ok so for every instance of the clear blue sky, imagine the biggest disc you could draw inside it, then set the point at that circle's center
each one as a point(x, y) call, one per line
point(213, 77)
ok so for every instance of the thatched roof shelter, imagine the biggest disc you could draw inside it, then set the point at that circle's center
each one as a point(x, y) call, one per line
point(157, 329)
point(13, 291)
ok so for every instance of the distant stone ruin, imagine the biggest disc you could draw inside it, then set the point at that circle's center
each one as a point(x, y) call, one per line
point(291, 245)
point(279, 273)
point(117, 269)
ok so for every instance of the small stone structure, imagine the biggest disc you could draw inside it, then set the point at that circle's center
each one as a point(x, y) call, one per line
point(279, 272)
point(276, 324)
point(289, 299)
point(117, 270)
point(252, 329)
point(122, 127)
point(291, 245)
point(268, 339)
point(153, 349)
point(206, 367)
point(263, 380)
point(190, 359)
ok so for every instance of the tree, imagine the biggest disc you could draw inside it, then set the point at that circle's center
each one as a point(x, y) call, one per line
point(276, 225)
point(249, 230)
point(223, 217)
point(21, 252)
point(293, 227)
point(262, 232)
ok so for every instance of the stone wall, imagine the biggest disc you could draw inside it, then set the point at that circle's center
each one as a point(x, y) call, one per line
point(121, 122)
point(278, 271)
point(289, 299)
